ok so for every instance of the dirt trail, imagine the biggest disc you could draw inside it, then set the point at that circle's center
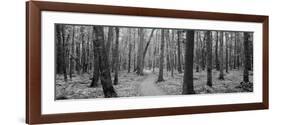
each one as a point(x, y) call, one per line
point(148, 87)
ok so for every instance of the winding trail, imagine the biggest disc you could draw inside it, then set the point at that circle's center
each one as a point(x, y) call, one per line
point(148, 87)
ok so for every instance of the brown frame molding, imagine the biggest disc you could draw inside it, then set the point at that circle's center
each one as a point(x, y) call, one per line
point(33, 61)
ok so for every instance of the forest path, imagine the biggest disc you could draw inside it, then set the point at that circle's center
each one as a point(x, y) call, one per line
point(148, 87)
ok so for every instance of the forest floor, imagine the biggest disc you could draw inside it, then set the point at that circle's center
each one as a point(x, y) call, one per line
point(78, 87)
point(131, 85)
point(230, 84)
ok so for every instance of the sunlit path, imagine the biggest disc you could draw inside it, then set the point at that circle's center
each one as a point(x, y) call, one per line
point(148, 87)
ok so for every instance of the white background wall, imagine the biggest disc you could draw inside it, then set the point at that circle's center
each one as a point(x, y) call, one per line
point(12, 61)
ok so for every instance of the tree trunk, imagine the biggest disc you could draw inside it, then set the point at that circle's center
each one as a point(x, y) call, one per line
point(209, 58)
point(221, 76)
point(64, 54)
point(216, 53)
point(71, 60)
point(250, 53)
point(147, 43)
point(179, 53)
point(109, 40)
point(167, 39)
point(108, 44)
point(154, 60)
point(58, 49)
point(160, 77)
point(226, 52)
point(134, 50)
point(104, 70)
point(172, 54)
point(140, 52)
point(116, 52)
point(203, 55)
point(239, 50)
point(188, 67)
point(112, 50)
point(88, 54)
point(235, 50)
point(197, 51)
point(247, 57)
point(168, 65)
point(130, 52)
point(172, 64)
point(230, 52)
point(96, 72)
point(83, 50)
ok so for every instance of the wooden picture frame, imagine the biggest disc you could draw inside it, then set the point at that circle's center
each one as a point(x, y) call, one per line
point(33, 61)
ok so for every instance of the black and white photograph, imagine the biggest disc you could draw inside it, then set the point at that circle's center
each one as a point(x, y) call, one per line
point(96, 61)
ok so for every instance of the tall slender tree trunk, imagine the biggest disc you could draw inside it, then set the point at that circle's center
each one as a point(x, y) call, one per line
point(88, 53)
point(112, 50)
point(235, 50)
point(83, 62)
point(140, 52)
point(154, 56)
point(116, 56)
point(160, 76)
point(216, 53)
point(171, 52)
point(179, 53)
point(172, 64)
point(197, 51)
point(168, 65)
point(58, 49)
point(64, 40)
point(96, 72)
point(188, 67)
point(209, 58)
point(238, 51)
point(134, 50)
point(108, 43)
point(230, 52)
point(247, 57)
point(226, 52)
point(167, 39)
point(104, 69)
point(251, 54)
point(71, 59)
point(147, 44)
point(129, 57)
point(221, 76)
point(203, 55)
